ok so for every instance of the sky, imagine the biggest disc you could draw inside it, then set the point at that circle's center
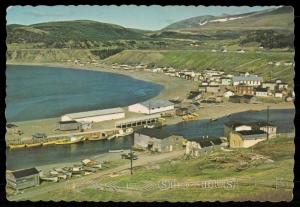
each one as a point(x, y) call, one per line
point(139, 17)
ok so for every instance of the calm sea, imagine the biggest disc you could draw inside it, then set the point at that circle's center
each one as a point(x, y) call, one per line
point(37, 92)
point(193, 130)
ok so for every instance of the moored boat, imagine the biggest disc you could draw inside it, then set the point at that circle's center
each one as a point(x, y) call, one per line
point(16, 146)
point(70, 140)
point(123, 133)
point(33, 145)
point(48, 143)
point(115, 151)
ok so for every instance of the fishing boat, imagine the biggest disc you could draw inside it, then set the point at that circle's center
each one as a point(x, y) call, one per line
point(33, 145)
point(48, 143)
point(213, 119)
point(92, 138)
point(16, 146)
point(123, 133)
point(70, 140)
point(115, 151)
point(53, 179)
point(111, 137)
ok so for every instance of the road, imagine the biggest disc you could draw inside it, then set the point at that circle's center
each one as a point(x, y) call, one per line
point(90, 179)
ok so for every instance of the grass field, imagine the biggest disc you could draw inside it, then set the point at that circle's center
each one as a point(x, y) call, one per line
point(200, 60)
point(227, 176)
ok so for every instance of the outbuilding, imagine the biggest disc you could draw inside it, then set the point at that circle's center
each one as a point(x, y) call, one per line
point(21, 179)
point(246, 138)
point(95, 116)
point(152, 107)
point(68, 125)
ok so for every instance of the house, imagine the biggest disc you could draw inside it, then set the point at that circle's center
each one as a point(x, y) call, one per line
point(181, 111)
point(152, 107)
point(261, 92)
point(246, 138)
point(39, 135)
point(21, 179)
point(244, 90)
point(278, 94)
point(95, 116)
point(242, 99)
point(247, 79)
point(212, 89)
point(282, 86)
point(194, 95)
point(227, 94)
point(150, 139)
point(226, 81)
point(202, 88)
point(277, 81)
point(266, 127)
point(68, 125)
point(235, 126)
point(269, 85)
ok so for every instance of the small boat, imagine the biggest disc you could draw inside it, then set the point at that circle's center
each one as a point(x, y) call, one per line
point(111, 137)
point(70, 140)
point(33, 145)
point(123, 133)
point(94, 138)
point(213, 119)
point(115, 151)
point(48, 143)
point(53, 179)
point(16, 146)
point(149, 126)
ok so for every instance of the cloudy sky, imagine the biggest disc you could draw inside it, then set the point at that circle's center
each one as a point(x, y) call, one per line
point(140, 17)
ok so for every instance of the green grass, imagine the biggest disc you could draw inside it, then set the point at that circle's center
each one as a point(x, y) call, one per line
point(199, 60)
point(218, 166)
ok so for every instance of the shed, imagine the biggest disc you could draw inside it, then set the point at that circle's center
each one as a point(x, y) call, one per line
point(152, 107)
point(68, 125)
point(22, 179)
point(247, 138)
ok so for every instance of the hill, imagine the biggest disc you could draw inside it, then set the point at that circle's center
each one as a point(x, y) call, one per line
point(69, 33)
point(279, 18)
point(199, 60)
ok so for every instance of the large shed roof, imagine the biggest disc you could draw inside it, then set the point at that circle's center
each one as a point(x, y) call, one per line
point(157, 103)
point(95, 113)
point(25, 172)
point(247, 78)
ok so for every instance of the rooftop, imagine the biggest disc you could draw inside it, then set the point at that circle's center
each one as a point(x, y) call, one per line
point(25, 172)
point(95, 113)
point(141, 118)
point(236, 124)
point(156, 133)
point(251, 132)
point(247, 78)
point(157, 103)
point(261, 90)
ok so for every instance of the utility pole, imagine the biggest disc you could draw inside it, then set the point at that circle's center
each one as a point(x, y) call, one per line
point(131, 156)
point(268, 122)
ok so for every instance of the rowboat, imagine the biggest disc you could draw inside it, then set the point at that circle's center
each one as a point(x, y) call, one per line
point(115, 151)
point(16, 146)
point(33, 145)
point(70, 140)
point(94, 138)
point(111, 137)
point(48, 143)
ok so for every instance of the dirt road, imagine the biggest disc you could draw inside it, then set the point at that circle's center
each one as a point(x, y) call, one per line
point(144, 159)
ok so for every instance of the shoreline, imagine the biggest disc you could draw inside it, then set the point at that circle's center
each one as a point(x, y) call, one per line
point(172, 87)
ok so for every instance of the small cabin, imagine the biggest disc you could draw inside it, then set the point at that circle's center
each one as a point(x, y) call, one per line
point(21, 179)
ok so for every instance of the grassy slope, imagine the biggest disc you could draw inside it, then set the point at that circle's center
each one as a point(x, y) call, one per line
point(199, 60)
point(216, 166)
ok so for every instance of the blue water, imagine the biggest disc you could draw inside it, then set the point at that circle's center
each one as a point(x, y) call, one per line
point(193, 130)
point(37, 92)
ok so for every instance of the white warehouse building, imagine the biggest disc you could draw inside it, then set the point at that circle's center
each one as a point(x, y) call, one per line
point(95, 116)
point(152, 107)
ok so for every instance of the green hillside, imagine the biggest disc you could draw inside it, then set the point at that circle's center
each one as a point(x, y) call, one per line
point(199, 60)
point(65, 33)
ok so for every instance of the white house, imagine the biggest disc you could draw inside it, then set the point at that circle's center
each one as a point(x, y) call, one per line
point(278, 95)
point(270, 85)
point(152, 107)
point(250, 80)
point(227, 94)
point(262, 92)
point(95, 116)
point(225, 81)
